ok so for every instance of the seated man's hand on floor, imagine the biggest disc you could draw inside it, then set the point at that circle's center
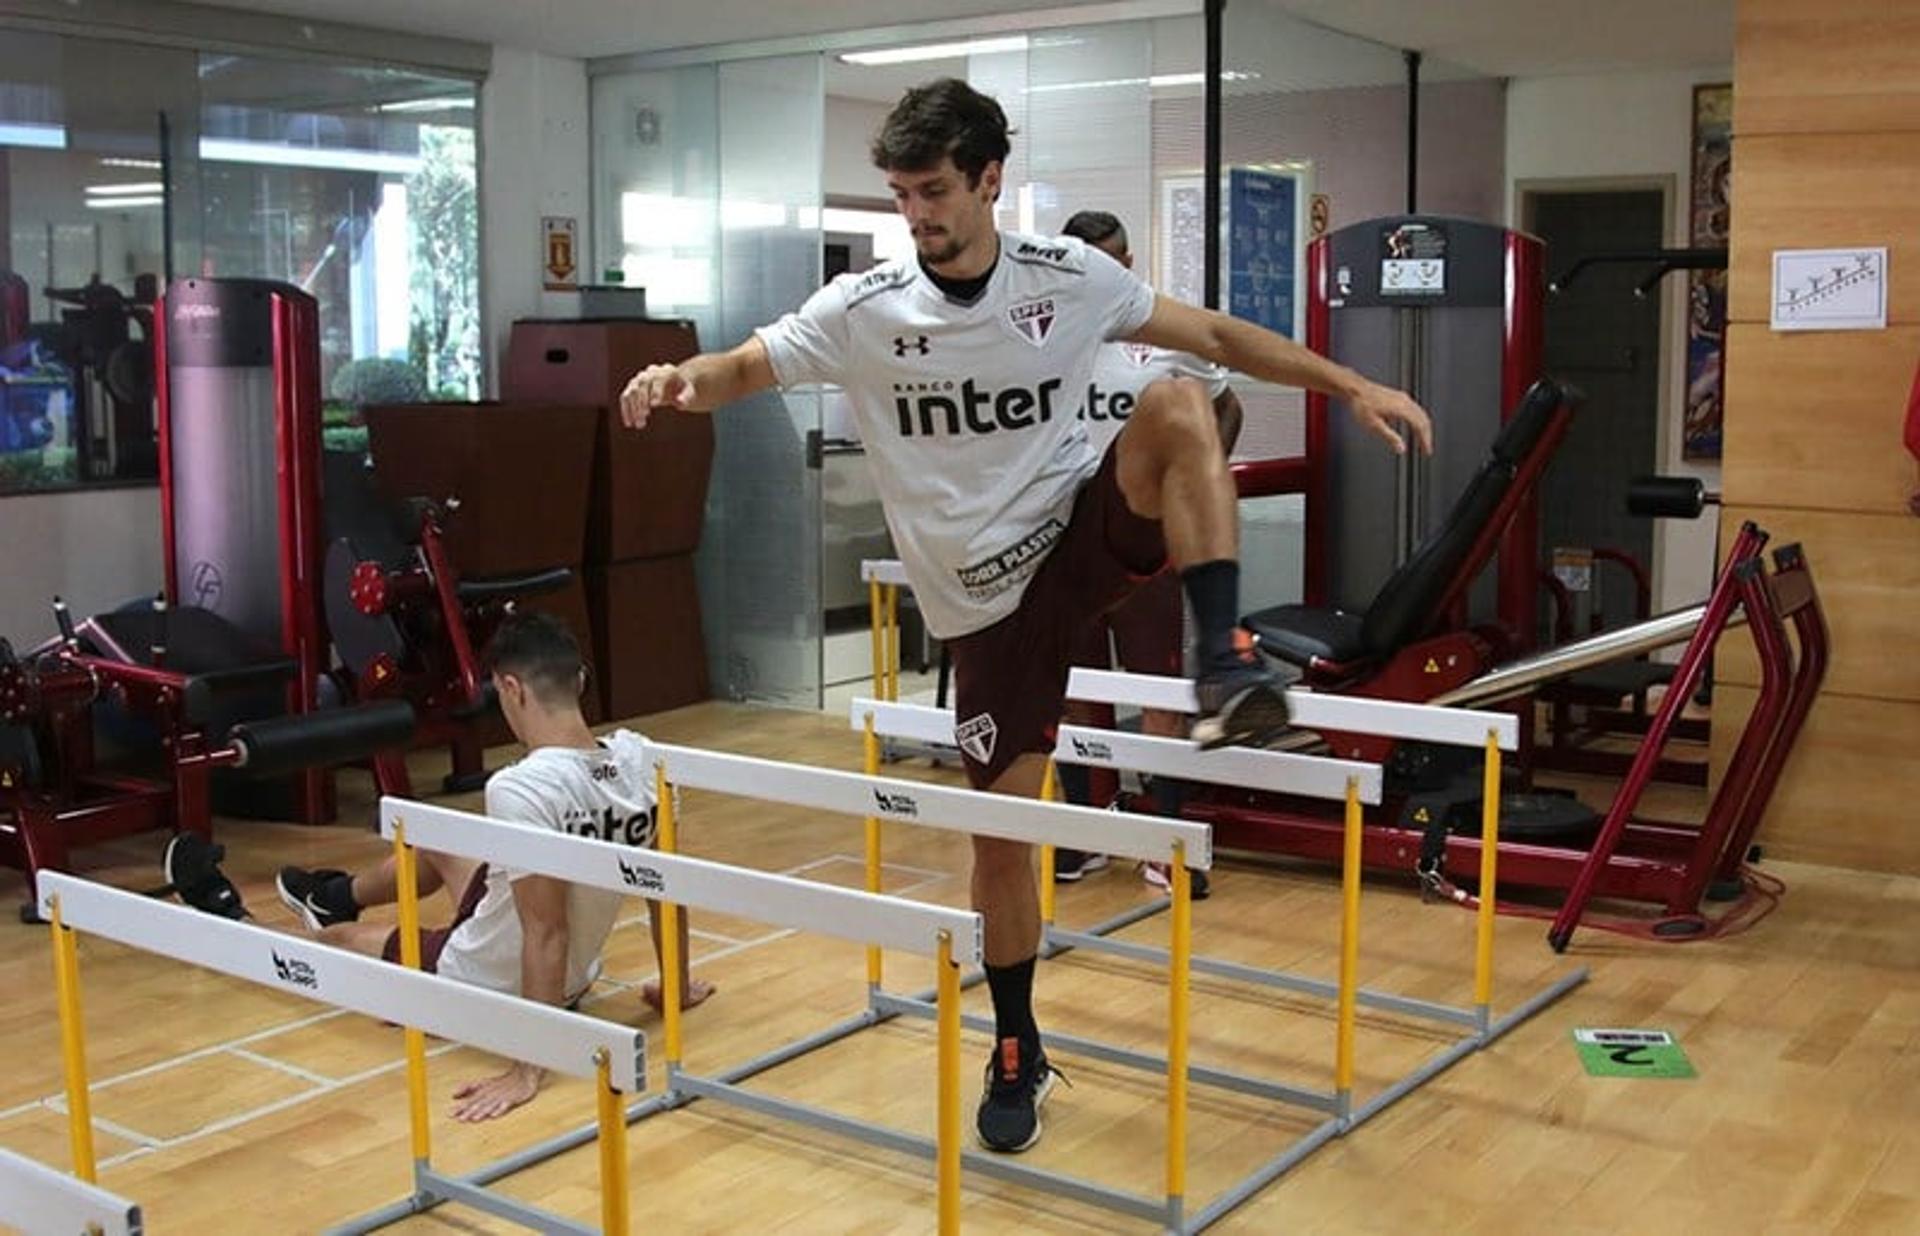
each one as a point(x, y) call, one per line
point(496, 1096)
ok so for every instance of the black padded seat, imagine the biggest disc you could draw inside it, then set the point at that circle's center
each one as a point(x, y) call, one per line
point(1302, 634)
point(1408, 604)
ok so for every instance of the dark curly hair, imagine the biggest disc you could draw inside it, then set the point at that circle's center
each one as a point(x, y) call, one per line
point(940, 119)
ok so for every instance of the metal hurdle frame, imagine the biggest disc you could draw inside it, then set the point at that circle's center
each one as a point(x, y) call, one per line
point(951, 809)
point(39, 1200)
point(949, 936)
point(1312, 776)
point(613, 1055)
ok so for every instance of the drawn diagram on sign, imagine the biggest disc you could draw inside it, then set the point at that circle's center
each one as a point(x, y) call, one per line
point(1829, 289)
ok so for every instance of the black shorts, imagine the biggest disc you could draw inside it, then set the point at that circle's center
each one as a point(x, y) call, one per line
point(1010, 679)
point(433, 940)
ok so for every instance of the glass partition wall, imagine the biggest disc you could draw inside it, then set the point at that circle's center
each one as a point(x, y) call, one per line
point(121, 165)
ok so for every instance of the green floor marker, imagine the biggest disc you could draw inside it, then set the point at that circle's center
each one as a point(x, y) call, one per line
point(1631, 1053)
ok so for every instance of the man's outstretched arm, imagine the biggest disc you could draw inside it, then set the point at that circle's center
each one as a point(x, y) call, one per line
point(698, 384)
point(1260, 353)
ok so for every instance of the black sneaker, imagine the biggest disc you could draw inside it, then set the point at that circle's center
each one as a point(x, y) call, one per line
point(1242, 703)
point(320, 898)
point(192, 866)
point(1017, 1084)
point(1069, 866)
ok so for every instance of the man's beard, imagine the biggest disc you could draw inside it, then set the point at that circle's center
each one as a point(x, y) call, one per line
point(939, 248)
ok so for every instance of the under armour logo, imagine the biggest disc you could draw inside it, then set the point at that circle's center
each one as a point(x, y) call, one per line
point(918, 343)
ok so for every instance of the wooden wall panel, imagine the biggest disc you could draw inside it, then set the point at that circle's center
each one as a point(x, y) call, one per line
point(1848, 794)
point(1867, 568)
point(1840, 66)
point(1819, 418)
point(1823, 191)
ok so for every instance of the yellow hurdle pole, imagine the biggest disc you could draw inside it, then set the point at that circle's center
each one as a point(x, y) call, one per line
point(73, 1047)
point(1489, 894)
point(893, 642)
point(405, 874)
point(669, 924)
point(613, 1151)
point(874, 612)
point(947, 1145)
point(871, 743)
point(1180, 968)
point(1049, 793)
point(1349, 951)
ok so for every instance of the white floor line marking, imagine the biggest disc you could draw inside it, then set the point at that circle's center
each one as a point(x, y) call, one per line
point(152, 1145)
point(201, 1053)
point(597, 996)
point(280, 1066)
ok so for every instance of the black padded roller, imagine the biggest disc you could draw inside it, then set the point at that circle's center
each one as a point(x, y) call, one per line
point(1666, 497)
point(332, 736)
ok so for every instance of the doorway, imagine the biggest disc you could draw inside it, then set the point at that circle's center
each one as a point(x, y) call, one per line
point(1603, 337)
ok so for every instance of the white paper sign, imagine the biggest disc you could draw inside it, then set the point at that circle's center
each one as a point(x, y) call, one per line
point(1830, 289)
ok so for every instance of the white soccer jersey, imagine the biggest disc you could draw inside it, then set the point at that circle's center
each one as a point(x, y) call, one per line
point(607, 794)
point(1122, 370)
point(969, 412)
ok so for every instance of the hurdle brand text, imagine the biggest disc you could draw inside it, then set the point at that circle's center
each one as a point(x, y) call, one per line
point(641, 876)
point(896, 804)
point(293, 970)
point(1092, 749)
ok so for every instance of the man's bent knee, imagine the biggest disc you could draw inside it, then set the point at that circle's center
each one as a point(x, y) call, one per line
point(998, 855)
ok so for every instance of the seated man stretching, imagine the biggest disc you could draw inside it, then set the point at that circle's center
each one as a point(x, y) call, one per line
point(526, 935)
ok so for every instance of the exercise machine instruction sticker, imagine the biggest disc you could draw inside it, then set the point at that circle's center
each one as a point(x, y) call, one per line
point(1631, 1053)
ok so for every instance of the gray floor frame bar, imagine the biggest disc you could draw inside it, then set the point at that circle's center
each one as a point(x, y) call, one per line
point(995, 1166)
point(1222, 1079)
point(883, 1006)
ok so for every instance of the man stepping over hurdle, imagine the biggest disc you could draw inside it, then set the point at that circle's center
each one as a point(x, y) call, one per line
point(525, 935)
point(1147, 630)
point(965, 370)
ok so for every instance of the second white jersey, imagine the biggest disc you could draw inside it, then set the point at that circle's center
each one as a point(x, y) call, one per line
point(606, 793)
point(1122, 370)
point(969, 413)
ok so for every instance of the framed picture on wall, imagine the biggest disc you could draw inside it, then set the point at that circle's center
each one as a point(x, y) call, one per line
point(1709, 207)
point(1262, 244)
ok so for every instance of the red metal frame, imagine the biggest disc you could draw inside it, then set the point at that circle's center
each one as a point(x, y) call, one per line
point(296, 406)
point(163, 390)
point(1670, 865)
point(1521, 358)
point(83, 805)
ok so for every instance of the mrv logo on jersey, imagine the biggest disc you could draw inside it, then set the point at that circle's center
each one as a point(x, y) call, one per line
point(927, 409)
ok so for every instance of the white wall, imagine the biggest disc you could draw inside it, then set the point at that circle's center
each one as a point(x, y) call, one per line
point(851, 124)
point(534, 150)
point(1616, 126)
point(96, 549)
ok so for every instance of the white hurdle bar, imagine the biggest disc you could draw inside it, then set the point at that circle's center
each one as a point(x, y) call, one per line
point(43, 1202)
point(566, 1042)
point(951, 937)
point(1279, 772)
point(1181, 844)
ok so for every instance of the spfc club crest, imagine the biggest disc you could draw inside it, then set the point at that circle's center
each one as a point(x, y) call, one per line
point(1033, 319)
point(1141, 354)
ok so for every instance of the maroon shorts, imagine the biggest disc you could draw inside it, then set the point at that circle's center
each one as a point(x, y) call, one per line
point(1148, 631)
point(1010, 679)
point(433, 940)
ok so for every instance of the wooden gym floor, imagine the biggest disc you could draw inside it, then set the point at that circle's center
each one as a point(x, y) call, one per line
point(224, 1107)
